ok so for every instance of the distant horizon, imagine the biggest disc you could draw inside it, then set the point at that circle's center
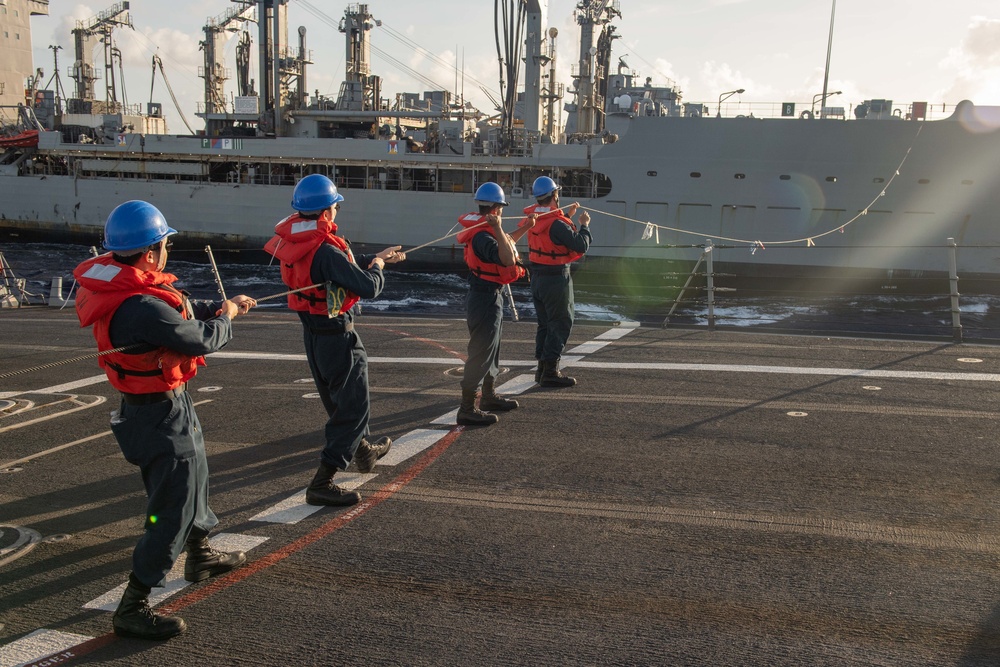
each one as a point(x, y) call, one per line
point(775, 50)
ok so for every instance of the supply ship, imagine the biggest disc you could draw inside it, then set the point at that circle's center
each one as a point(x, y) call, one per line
point(837, 199)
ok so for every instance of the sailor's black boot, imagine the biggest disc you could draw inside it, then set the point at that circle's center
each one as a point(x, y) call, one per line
point(470, 415)
point(203, 561)
point(538, 372)
point(134, 618)
point(491, 401)
point(368, 453)
point(551, 377)
point(322, 490)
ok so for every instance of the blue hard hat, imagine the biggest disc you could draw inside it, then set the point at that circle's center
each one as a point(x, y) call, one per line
point(543, 186)
point(315, 192)
point(490, 193)
point(135, 225)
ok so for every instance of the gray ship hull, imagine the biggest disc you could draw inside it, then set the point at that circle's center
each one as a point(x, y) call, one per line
point(783, 200)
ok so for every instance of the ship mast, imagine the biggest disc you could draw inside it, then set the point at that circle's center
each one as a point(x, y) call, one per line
point(215, 72)
point(360, 90)
point(589, 70)
point(533, 62)
point(98, 27)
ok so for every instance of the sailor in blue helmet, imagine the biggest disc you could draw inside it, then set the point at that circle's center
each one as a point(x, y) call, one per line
point(130, 301)
point(311, 253)
point(553, 244)
point(491, 255)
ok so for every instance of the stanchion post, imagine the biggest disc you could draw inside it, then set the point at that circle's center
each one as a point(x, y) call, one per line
point(956, 311)
point(710, 283)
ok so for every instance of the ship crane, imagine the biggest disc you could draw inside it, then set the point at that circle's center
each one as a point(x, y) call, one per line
point(83, 73)
point(214, 72)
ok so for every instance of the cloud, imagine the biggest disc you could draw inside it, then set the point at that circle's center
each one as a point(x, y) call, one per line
point(976, 64)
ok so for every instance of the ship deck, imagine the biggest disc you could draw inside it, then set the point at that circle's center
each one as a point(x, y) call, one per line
point(698, 498)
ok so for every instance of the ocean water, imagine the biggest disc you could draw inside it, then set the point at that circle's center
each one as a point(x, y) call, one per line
point(443, 295)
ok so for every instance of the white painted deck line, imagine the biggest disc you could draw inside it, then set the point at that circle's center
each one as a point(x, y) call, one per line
point(620, 331)
point(591, 346)
point(294, 508)
point(448, 418)
point(409, 445)
point(516, 385)
point(175, 579)
point(39, 644)
point(796, 370)
point(59, 388)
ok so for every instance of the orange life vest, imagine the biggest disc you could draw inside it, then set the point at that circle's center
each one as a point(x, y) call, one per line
point(104, 286)
point(295, 244)
point(495, 273)
point(541, 249)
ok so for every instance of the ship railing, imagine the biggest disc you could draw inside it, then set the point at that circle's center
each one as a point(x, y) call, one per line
point(910, 307)
point(839, 111)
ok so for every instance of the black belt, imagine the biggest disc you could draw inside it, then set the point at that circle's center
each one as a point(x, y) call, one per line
point(331, 331)
point(550, 269)
point(154, 397)
point(491, 288)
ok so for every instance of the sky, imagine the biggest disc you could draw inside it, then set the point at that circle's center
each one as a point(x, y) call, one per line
point(776, 50)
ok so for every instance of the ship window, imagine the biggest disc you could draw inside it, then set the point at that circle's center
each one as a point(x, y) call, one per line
point(967, 182)
point(651, 173)
point(695, 174)
point(924, 181)
point(739, 177)
point(831, 179)
point(785, 177)
point(878, 180)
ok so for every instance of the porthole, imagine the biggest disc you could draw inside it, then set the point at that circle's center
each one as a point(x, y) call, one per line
point(831, 179)
point(651, 173)
point(739, 177)
point(695, 174)
point(785, 177)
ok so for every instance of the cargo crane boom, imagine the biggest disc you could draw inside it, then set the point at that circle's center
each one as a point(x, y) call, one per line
point(83, 72)
point(215, 73)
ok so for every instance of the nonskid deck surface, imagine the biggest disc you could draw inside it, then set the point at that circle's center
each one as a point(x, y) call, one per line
point(698, 498)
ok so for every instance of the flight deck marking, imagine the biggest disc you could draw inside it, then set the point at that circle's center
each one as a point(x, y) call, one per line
point(294, 508)
point(59, 388)
point(330, 526)
point(71, 399)
point(175, 578)
point(794, 370)
point(69, 444)
point(40, 643)
point(412, 443)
